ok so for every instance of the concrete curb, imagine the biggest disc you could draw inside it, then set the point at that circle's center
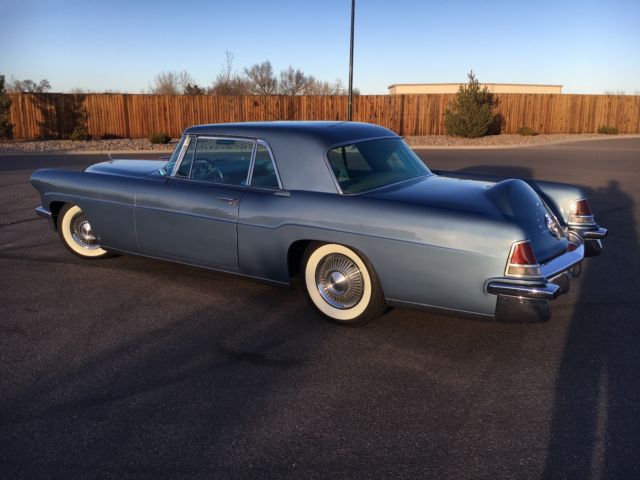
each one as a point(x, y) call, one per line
point(161, 153)
point(414, 147)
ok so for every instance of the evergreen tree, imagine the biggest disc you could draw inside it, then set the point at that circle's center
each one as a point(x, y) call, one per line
point(471, 113)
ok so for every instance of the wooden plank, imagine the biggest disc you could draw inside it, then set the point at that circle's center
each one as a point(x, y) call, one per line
point(137, 116)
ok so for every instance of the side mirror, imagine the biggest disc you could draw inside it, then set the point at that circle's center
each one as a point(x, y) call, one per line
point(162, 172)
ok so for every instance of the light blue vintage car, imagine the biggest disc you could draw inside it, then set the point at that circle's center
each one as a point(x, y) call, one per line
point(346, 206)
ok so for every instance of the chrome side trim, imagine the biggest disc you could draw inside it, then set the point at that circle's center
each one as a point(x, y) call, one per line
point(392, 302)
point(541, 292)
point(43, 212)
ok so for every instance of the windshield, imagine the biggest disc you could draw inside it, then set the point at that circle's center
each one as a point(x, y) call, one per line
point(174, 156)
point(372, 164)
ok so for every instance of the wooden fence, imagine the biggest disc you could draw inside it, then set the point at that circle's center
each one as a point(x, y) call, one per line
point(137, 116)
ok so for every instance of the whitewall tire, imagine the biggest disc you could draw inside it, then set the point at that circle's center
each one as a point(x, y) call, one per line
point(76, 233)
point(341, 284)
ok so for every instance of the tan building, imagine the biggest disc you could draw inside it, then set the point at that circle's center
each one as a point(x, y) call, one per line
point(412, 88)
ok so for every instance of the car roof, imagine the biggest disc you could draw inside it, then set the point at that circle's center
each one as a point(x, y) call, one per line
point(299, 146)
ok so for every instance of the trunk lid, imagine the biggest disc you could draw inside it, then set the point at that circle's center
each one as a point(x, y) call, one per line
point(511, 200)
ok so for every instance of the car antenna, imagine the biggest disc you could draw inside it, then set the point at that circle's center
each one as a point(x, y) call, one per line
point(109, 156)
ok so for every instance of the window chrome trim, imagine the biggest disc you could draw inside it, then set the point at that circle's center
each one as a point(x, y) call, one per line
point(252, 162)
point(210, 137)
point(273, 161)
point(192, 138)
point(176, 165)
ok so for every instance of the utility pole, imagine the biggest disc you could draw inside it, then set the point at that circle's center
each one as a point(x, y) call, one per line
point(350, 112)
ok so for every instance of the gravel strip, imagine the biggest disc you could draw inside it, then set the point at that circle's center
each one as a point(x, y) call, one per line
point(118, 145)
point(142, 144)
point(499, 140)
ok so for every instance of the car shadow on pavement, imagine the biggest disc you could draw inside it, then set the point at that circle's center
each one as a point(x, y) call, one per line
point(595, 416)
point(595, 429)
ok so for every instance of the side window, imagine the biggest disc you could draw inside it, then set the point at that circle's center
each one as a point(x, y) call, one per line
point(264, 171)
point(185, 165)
point(348, 163)
point(221, 160)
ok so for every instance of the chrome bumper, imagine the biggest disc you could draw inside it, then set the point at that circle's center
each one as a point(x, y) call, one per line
point(47, 215)
point(592, 237)
point(541, 292)
point(43, 212)
point(527, 301)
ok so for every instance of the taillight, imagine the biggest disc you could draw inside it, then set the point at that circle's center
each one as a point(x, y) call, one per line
point(522, 261)
point(581, 213)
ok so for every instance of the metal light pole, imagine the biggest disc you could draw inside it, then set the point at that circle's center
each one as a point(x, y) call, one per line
point(350, 112)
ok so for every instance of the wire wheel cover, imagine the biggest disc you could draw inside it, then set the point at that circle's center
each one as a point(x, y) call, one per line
point(339, 281)
point(81, 231)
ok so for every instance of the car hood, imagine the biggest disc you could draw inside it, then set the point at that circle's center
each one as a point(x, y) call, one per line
point(511, 200)
point(128, 168)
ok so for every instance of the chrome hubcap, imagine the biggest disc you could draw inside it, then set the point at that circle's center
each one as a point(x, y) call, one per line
point(339, 281)
point(82, 233)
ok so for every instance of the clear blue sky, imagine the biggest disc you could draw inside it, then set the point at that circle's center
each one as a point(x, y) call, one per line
point(587, 46)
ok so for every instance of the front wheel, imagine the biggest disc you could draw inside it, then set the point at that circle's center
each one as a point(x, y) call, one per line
point(342, 284)
point(76, 233)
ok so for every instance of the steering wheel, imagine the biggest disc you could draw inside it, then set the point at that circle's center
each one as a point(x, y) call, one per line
point(206, 170)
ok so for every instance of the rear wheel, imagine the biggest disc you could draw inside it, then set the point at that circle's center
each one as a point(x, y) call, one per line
point(76, 233)
point(342, 284)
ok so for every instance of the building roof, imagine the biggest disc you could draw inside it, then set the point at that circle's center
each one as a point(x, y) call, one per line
point(481, 83)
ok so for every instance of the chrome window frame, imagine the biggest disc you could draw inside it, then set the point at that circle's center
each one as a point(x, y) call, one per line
point(213, 137)
point(273, 161)
point(191, 138)
point(255, 141)
point(183, 149)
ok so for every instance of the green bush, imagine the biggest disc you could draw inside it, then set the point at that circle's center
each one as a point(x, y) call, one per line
point(80, 134)
point(6, 128)
point(159, 137)
point(471, 113)
point(607, 130)
point(527, 131)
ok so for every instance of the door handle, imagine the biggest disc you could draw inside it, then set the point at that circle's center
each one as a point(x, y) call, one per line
point(228, 200)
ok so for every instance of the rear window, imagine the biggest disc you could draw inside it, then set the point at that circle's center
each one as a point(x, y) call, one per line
point(373, 164)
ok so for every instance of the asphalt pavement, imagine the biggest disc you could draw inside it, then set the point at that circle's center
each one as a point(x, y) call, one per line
point(134, 368)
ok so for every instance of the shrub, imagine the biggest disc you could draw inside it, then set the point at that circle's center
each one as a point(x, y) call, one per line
point(607, 130)
point(159, 137)
point(6, 128)
point(527, 131)
point(79, 134)
point(471, 113)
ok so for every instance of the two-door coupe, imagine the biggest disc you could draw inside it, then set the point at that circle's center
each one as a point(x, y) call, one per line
point(347, 206)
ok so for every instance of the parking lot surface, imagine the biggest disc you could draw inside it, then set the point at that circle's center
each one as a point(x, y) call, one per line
point(134, 368)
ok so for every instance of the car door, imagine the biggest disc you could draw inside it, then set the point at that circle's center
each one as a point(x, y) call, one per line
point(192, 214)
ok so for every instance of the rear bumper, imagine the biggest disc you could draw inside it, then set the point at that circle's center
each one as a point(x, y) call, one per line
point(527, 301)
point(592, 237)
